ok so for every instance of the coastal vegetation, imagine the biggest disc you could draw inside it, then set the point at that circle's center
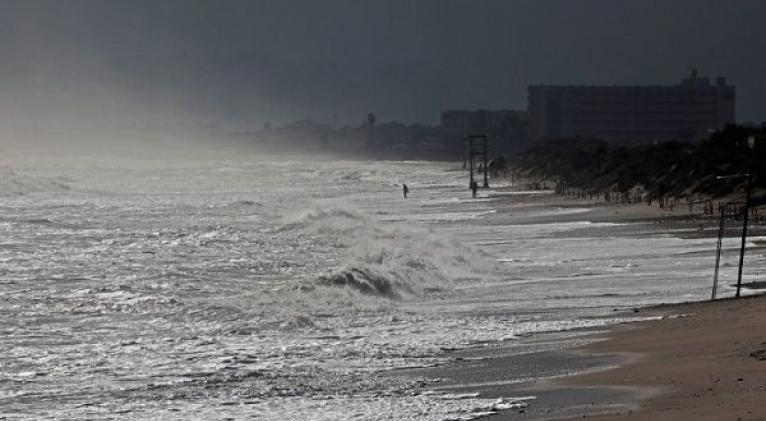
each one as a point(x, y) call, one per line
point(667, 169)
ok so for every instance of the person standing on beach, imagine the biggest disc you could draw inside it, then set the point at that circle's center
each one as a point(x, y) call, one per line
point(474, 187)
point(405, 190)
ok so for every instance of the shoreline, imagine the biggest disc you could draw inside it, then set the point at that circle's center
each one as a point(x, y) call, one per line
point(527, 370)
point(665, 368)
point(708, 362)
point(579, 380)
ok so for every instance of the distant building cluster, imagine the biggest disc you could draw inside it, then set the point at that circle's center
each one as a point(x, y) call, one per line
point(690, 110)
point(488, 120)
point(686, 111)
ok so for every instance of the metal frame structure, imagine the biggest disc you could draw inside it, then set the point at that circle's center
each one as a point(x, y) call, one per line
point(477, 146)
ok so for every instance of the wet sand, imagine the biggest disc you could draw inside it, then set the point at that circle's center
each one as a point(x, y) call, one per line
point(512, 370)
point(707, 364)
point(701, 361)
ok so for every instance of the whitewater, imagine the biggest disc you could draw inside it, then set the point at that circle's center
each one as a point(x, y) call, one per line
point(252, 287)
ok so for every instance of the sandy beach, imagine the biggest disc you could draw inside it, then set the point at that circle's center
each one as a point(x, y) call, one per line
point(701, 360)
point(708, 363)
point(705, 361)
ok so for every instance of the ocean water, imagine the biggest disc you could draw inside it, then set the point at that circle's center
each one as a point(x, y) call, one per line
point(244, 287)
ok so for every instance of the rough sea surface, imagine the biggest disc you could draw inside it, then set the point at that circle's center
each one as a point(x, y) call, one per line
point(248, 287)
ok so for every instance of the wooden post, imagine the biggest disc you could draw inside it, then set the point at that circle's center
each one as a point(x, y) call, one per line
point(745, 214)
point(721, 227)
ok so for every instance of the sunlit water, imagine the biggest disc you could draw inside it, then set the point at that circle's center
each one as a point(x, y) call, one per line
point(278, 289)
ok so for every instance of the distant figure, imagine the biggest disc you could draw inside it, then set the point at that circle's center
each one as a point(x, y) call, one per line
point(474, 187)
point(405, 190)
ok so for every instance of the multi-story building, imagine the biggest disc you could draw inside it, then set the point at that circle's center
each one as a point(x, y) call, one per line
point(686, 111)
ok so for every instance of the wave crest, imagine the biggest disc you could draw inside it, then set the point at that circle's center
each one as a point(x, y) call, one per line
point(367, 282)
point(392, 260)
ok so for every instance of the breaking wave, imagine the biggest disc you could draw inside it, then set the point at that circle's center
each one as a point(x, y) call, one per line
point(324, 220)
point(367, 282)
point(390, 260)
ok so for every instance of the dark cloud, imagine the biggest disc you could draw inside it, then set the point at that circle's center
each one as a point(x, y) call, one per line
point(249, 61)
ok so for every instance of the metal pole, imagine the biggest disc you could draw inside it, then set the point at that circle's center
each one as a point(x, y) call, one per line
point(718, 251)
point(744, 232)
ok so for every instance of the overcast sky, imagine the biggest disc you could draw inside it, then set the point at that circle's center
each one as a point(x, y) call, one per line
point(404, 59)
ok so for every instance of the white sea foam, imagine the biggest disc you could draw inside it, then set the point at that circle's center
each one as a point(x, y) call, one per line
point(280, 289)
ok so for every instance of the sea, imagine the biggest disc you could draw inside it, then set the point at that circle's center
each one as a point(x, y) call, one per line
point(282, 287)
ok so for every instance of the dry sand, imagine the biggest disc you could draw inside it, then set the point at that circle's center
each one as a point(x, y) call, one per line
point(707, 364)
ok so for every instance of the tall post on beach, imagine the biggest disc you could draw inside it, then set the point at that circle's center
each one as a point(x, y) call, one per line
point(745, 214)
point(721, 227)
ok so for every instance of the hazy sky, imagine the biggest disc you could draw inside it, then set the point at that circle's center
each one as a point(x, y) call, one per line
point(253, 61)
